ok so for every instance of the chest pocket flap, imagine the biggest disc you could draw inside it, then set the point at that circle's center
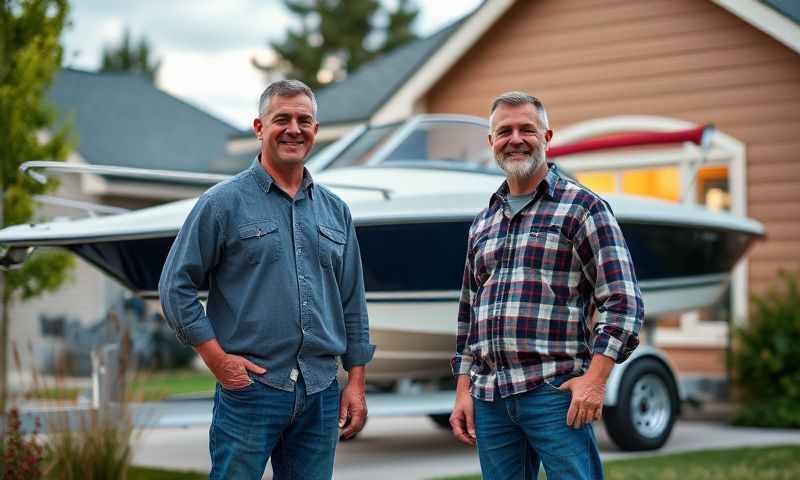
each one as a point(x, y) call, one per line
point(256, 246)
point(257, 229)
point(332, 234)
point(331, 246)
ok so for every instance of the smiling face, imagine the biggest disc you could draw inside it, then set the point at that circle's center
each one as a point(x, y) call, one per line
point(517, 139)
point(287, 130)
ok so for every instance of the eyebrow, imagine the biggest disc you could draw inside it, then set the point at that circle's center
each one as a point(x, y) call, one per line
point(509, 127)
point(281, 116)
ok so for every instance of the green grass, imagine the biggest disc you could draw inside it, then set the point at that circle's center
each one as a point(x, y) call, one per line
point(766, 463)
point(160, 385)
point(54, 394)
point(146, 386)
point(141, 473)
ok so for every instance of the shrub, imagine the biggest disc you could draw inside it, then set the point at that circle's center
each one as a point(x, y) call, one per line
point(20, 455)
point(766, 360)
point(99, 449)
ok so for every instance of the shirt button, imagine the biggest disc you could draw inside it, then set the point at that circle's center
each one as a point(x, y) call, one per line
point(305, 304)
point(299, 251)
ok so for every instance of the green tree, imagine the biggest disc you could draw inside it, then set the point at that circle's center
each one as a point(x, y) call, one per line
point(125, 57)
point(336, 37)
point(399, 30)
point(30, 55)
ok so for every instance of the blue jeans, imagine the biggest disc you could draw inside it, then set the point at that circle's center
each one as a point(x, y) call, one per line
point(514, 434)
point(297, 431)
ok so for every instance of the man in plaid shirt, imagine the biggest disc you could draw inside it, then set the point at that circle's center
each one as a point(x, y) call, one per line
point(544, 259)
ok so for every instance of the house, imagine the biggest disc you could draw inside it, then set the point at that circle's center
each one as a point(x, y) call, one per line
point(604, 67)
point(121, 120)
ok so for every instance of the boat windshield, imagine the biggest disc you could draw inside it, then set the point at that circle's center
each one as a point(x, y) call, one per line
point(447, 144)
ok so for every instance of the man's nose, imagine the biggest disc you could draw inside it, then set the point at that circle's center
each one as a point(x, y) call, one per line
point(515, 138)
point(293, 127)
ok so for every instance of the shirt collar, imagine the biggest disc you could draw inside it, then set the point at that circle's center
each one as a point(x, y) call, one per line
point(547, 186)
point(265, 180)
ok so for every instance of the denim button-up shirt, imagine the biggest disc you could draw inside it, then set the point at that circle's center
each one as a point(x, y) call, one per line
point(284, 279)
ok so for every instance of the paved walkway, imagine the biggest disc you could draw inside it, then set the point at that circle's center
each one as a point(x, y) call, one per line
point(410, 448)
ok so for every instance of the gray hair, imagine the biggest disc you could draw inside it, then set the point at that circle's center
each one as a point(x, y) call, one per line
point(285, 88)
point(515, 98)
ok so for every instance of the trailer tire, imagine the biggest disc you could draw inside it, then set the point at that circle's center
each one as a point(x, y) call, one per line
point(442, 420)
point(646, 408)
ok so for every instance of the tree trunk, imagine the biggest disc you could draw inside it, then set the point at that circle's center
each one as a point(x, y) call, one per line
point(4, 346)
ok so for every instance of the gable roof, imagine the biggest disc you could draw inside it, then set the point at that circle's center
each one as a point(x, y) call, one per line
point(789, 8)
point(387, 91)
point(122, 119)
point(360, 95)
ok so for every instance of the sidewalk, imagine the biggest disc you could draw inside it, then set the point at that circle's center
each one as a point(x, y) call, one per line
point(404, 448)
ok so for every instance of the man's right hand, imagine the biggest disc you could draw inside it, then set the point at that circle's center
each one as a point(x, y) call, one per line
point(230, 370)
point(462, 420)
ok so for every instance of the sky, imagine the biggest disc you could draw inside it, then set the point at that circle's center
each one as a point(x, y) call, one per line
point(205, 46)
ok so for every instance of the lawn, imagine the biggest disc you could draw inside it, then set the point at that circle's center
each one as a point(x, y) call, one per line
point(767, 463)
point(141, 473)
point(159, 385)
point(146, 386)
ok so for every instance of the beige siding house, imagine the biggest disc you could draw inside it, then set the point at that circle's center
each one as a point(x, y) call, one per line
point(610, 66)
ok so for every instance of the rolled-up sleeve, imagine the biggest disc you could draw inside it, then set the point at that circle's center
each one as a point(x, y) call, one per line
point(194, 254)
point(462, 360)
point(607, 265)
point(354, 303)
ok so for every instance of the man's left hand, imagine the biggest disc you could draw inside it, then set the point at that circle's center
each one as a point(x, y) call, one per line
point(352, 408)
point(587, 399)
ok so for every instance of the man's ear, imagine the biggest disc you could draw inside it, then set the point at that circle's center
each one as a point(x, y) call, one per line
point(257, 127)
point(489, 140)
point(548, 135)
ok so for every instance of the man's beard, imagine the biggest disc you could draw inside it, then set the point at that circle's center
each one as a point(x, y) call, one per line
point(521, 168)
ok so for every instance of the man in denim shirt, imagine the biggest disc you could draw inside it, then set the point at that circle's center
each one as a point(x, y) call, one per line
point(279, 258)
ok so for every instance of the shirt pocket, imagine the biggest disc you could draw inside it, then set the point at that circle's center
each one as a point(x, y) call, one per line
point(331, 246)
point(547, 249)
point(260, 241)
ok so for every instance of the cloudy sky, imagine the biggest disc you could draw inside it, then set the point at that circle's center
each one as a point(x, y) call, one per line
point(205, 46)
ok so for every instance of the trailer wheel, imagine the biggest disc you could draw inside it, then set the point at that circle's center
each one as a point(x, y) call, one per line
point(646, 408)
point(442, 420)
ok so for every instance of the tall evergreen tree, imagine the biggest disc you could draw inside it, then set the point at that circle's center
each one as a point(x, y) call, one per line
point(30, 56)
point(399, 31)
point(125, 57)
point(338, 36)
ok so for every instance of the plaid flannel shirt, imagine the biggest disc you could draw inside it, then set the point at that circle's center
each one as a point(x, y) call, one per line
point(532, 285)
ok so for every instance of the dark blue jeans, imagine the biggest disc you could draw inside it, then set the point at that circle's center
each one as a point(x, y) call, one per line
point(297, 431)
point(516, 433)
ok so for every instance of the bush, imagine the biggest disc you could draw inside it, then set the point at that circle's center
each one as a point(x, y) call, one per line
point(20, 455)
point(766, 360)
point(99, 449)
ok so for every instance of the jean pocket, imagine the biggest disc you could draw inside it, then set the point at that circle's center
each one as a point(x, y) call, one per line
point(554, 383)
point(239, 390)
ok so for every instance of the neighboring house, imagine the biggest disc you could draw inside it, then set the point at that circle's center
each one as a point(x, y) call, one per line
point(121, 120)
point(606, 66)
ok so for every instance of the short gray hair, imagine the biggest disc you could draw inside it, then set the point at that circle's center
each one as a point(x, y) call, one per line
point(286, 88)
point(515, 98)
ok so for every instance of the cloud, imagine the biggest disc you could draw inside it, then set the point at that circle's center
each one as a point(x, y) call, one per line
point(205, 46)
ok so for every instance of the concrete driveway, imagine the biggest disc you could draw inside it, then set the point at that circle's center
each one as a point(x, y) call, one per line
point(410, 448)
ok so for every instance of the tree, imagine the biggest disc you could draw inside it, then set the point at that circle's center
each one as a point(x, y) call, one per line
point(336, 37)
point(30, 56)
point(127, 58)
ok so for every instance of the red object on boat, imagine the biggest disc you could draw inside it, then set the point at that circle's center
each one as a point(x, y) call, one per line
point(700, 136)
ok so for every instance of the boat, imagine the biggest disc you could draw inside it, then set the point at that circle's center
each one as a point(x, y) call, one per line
point(413, 189)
